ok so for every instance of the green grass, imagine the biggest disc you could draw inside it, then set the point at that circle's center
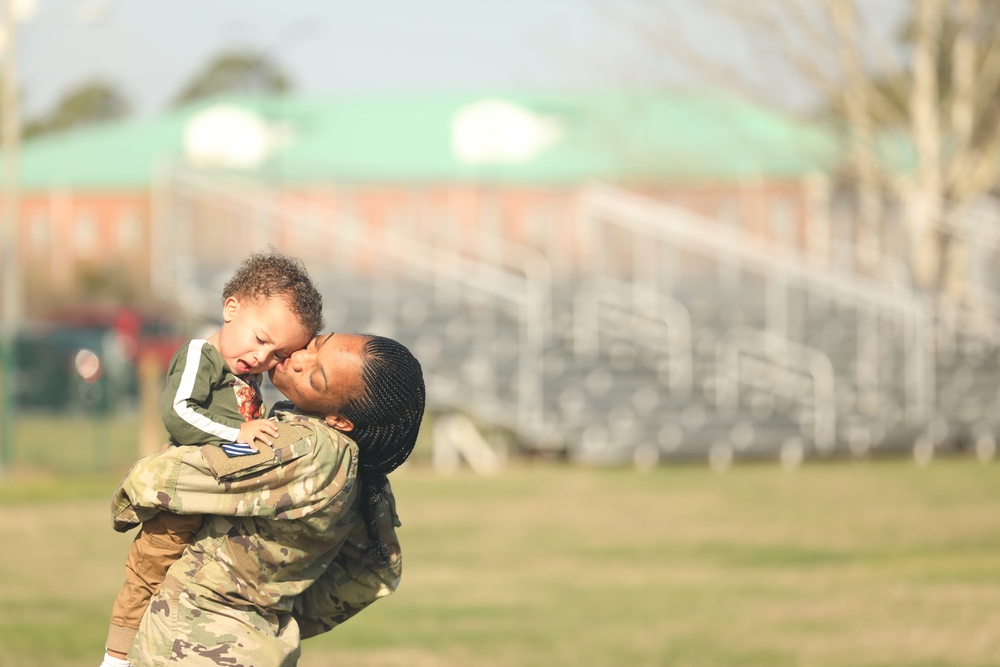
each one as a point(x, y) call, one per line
point(75, 443)
point(872, 564)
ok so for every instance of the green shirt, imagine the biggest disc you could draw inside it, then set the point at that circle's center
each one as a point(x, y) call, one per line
point(203, 401)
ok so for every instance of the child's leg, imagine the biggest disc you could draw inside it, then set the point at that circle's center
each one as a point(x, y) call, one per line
point(159, 544)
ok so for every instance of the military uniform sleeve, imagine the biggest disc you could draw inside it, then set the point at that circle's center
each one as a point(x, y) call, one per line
point(304, 471)
point(189, 386)
point(351, 583)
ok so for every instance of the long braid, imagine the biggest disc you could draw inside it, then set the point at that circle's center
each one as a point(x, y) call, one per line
point(386, 421)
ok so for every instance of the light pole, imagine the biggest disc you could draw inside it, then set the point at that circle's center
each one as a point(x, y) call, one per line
point(10, 135)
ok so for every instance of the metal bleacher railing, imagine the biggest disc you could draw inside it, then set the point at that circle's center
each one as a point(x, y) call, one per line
point(967, 322)
point(847, 357)
point(674, 337)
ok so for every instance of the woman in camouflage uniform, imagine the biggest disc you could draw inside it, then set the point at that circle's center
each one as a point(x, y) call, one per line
point(302, 535)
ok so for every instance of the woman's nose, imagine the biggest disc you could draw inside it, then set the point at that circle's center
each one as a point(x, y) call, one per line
point(298, 359)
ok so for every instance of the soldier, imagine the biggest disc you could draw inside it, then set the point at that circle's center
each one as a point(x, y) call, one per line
point(298, 537)
point(270, 309)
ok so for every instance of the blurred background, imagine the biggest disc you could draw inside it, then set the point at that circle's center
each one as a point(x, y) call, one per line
point(634, 243)
point(614, 233)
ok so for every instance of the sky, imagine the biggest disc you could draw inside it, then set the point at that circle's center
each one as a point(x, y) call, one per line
point(149, 49)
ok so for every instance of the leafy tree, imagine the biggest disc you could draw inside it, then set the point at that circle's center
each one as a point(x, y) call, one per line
point(235, 71)
point(92, 102)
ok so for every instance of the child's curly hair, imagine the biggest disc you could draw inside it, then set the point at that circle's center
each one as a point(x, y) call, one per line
point(271, 274)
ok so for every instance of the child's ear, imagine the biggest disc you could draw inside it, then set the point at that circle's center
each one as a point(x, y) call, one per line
point(340, 423)
point(229, 308)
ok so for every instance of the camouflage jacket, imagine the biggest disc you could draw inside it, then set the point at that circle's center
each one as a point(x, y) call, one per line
point(278, 558)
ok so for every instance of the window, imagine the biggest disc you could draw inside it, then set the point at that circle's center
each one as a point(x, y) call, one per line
point(538, 225)
point(128, 230)
point(85, 232)
point(782, 222)
point(40, 231)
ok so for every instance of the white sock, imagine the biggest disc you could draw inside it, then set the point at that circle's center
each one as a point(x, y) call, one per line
point(110, 661)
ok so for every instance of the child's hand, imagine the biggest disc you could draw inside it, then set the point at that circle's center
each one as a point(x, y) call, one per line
point(259, 429)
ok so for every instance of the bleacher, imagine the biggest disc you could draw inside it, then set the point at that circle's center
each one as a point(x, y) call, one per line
point(680, 339)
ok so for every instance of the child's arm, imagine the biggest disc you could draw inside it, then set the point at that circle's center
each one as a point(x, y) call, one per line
point(189, 387)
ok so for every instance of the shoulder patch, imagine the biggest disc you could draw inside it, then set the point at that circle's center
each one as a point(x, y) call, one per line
point(234, 449)
point(292, 442)
point(222, 465)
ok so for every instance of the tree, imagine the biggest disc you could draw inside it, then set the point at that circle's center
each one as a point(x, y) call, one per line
point(93, 102)
point(233, 72)
point(937, 86)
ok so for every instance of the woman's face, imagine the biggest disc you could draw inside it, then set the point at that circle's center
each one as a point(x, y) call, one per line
point(327, 372)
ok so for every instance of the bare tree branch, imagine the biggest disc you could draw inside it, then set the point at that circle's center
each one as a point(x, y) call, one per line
point(939, 87)
point(963, 62)
point(928, 197)
point(856, 103)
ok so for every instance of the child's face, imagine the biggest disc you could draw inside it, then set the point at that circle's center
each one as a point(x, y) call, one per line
point(258, 333)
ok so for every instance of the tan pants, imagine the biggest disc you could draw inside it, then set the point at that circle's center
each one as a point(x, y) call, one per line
point(159, 544)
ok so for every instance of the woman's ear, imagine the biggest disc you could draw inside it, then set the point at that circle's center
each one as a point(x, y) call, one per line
point(340, 423)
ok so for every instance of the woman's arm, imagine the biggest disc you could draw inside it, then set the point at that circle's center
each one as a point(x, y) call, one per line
point(351, 582)
point(309, 465)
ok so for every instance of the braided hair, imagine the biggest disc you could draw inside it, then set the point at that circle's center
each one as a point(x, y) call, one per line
point(386, 416)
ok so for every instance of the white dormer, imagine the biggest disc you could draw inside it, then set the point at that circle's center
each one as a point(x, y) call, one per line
point(229, 136)
point(494, 131)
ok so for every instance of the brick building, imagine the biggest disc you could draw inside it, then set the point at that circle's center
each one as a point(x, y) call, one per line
point(436, 164)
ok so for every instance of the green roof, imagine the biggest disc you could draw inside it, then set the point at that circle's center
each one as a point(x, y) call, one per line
point(118, 155)
point(623, 136)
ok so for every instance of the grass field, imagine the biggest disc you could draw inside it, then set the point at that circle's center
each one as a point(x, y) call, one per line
point(843, 564)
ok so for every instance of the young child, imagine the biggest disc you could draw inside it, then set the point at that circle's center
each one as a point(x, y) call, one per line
point(270, 309)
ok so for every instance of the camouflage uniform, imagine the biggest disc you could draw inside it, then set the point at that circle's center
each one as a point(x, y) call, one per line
point(279, 557)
